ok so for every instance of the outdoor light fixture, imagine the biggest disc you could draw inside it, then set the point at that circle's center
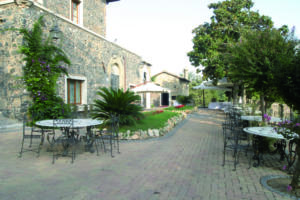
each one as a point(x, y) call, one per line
point(55, 33)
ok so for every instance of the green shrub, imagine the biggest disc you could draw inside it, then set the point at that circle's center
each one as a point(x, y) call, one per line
point(117, 102)
point(184, 99)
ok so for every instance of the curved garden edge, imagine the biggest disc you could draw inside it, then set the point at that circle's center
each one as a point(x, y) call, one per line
point(155, 133)
point(264, 182)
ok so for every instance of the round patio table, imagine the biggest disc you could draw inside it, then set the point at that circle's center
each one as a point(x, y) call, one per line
point(77, 123)
point(281, 143)
point(259, 119)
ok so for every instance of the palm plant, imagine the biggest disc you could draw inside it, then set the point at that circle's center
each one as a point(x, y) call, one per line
point(119, 103)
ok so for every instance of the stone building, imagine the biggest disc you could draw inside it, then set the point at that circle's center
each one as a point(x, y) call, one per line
point(176, 84)
point(96, 62)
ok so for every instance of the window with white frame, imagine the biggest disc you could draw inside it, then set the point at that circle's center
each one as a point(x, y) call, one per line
point(76, 90)
point(76, 11)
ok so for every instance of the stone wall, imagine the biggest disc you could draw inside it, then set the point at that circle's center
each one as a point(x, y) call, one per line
point(93, 12)
point(91, 55)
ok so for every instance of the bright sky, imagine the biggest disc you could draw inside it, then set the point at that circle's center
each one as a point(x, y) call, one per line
point(160, 31)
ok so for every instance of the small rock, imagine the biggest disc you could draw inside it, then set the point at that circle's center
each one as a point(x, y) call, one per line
point(156, 132)
point(138, 133)
point(150, 132)
point(135, 137)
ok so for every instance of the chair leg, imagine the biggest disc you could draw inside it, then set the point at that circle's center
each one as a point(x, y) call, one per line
point(21, 152)
point(111, 146)
point(224, 151)
point(103, 144)
point(118, 143)
point(235, 159)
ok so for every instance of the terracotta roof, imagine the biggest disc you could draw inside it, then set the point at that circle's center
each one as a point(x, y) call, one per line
point(165, 72)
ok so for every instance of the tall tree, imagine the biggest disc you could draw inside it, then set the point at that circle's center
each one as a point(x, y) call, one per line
point(253, 59)
point(231, 18)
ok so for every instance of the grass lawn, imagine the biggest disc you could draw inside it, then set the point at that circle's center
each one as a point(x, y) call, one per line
point(179, 109)
point(152, 120)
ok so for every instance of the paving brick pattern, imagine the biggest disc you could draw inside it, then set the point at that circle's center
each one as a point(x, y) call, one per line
point(186, 164)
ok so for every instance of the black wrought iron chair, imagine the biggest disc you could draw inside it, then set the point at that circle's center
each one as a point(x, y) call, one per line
point(110, 134)
point(66, 141)
point(36, 134)
point(235, 139)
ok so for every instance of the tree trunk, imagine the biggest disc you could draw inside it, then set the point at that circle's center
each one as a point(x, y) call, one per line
point(235, 94)
point(296, 173)
point(244, 98)
point(262, 106)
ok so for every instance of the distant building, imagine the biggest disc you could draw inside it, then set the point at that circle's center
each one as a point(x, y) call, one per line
point(96, 62)
point(176, 84)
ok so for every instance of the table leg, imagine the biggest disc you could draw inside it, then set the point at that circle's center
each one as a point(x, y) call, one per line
point(89, 140)
point(291, 156)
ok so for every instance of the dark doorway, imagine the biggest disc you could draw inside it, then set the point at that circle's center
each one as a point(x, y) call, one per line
point(165, 99)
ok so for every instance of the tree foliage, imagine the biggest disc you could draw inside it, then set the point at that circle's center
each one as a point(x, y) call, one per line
point(44, 63)
point(253, 59)
point(117, 102)
point(287, 81)
point(231, 18)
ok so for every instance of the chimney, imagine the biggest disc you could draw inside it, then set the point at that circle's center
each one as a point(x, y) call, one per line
point(185, 73)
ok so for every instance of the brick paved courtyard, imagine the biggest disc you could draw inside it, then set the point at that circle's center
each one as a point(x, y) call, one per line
point(185, 164)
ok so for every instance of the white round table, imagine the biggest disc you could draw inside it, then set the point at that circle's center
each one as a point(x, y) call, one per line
point(259, 119)
point(264, 131)
point(270, 132)
point(77, 123)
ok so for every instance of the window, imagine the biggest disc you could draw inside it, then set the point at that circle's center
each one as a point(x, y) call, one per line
point(75, 11)
point(115, 81)
point(74, 91)
point(115, 77)
point(173, 97)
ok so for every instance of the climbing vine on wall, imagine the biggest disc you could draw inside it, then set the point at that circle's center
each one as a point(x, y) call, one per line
point(44, 64)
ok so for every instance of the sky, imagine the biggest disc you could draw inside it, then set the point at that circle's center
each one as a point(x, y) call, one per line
point(160, 31)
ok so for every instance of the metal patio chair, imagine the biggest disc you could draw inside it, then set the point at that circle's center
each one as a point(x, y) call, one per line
point(36, 134)
point(234, 138)
point(66, 141)
point(109, 135)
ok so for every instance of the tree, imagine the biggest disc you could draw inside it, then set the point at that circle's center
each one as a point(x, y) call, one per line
point(287, 80)
point(287, 76)
point(253, 59)
point(268, 62)
point(231, 18)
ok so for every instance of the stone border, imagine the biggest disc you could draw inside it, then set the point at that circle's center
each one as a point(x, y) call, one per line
point(265, 179)
point(154, 133)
